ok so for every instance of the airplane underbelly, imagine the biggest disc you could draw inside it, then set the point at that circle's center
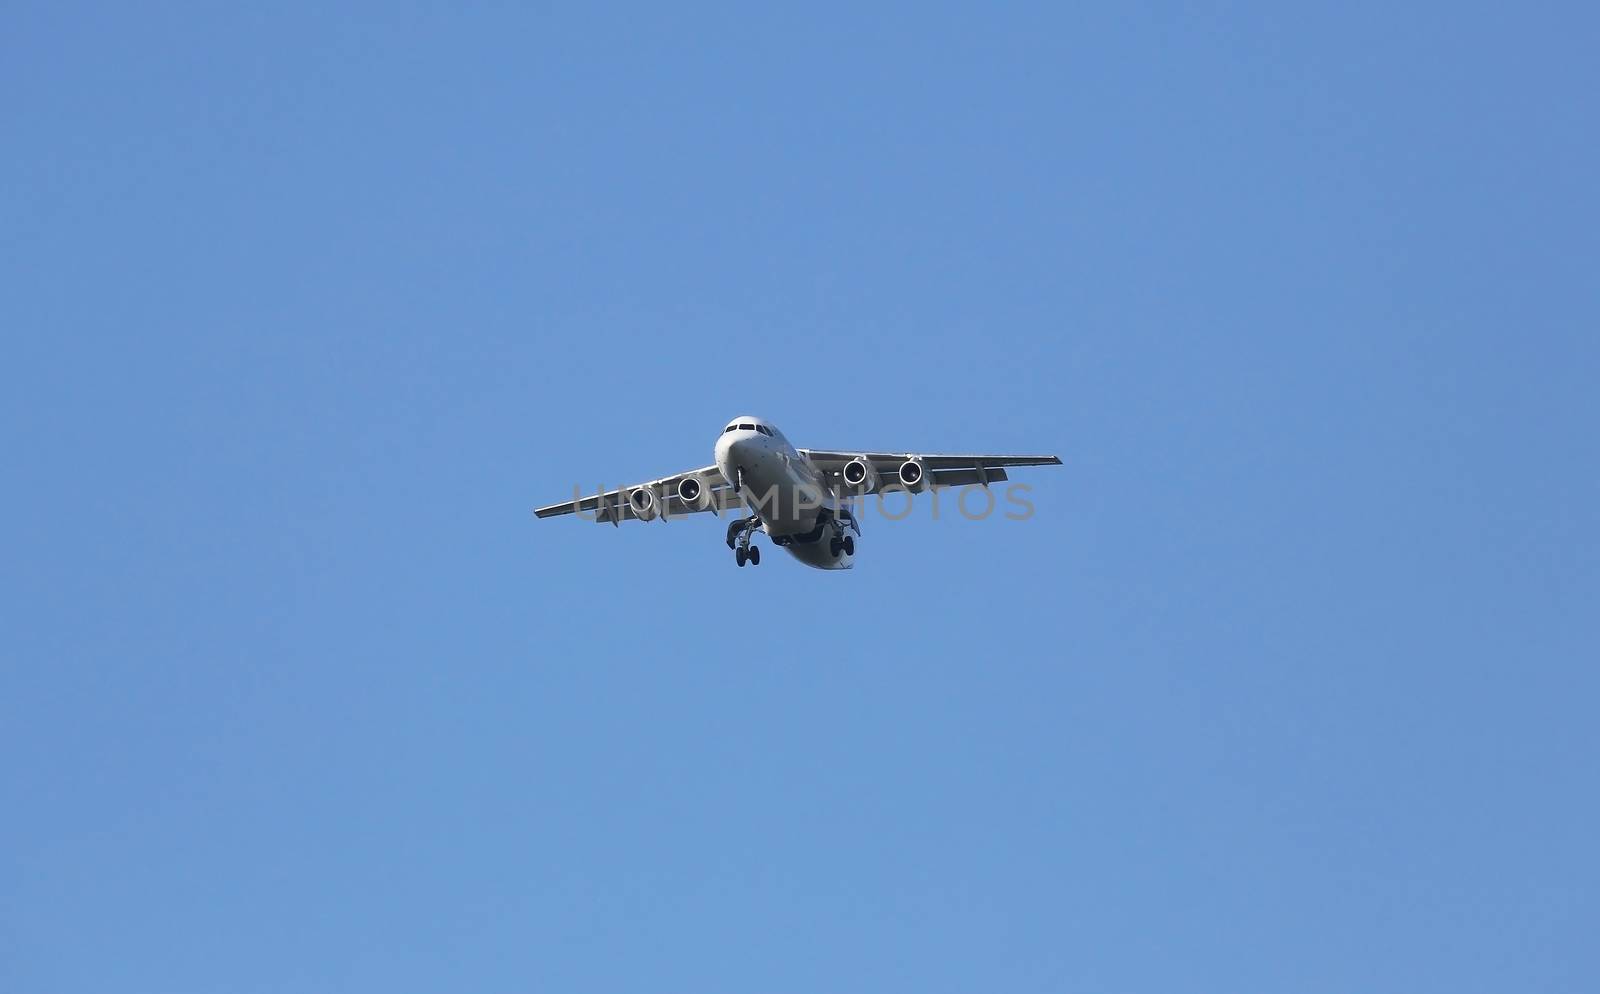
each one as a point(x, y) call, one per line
point(788, 498)
point(773, 490)
point(819, 556)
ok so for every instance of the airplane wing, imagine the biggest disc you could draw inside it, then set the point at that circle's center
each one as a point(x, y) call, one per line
point(943, 470)
point(626, 503)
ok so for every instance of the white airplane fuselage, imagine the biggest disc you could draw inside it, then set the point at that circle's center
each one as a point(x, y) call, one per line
point(788, 494)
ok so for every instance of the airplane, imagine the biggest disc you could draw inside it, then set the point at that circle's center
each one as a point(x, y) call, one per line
point(802, 499)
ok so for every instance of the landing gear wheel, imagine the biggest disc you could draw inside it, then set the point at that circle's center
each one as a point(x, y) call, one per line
point(835, 546)
point(755, 556)
point(849, 545)
point(739, 532)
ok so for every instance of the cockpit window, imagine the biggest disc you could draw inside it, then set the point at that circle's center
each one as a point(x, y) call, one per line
point(763, 429)
point(730, 428)
point(748, 427)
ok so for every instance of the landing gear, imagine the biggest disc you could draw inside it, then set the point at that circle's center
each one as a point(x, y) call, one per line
point(845, 543)
point(739, 534)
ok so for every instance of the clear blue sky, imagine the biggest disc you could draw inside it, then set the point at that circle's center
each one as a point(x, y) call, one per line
point(1289, 685)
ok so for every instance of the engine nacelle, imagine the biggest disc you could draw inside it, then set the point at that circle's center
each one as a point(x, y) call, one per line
point(913, 475)
point(859, 476)
point(644, 503)
point(694, 493)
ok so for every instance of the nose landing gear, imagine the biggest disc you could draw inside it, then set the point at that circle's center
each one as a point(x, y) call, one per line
point(739, 535)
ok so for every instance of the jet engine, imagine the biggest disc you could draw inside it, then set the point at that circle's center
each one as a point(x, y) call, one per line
point(859, 476)
point(913, 475)
point(644, 503)
point(694, 493)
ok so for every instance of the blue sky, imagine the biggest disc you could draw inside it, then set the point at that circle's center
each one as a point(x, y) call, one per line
point(1288, 684)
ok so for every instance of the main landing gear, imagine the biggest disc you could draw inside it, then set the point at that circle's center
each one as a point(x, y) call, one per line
point(842, 540)
point(739, 534)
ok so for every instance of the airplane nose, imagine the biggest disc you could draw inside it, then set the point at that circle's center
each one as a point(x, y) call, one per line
point(727, 455)
point(733, 450)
